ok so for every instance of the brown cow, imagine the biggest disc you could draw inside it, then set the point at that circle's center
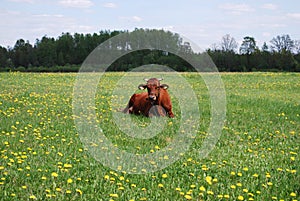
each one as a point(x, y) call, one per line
point(155, 102)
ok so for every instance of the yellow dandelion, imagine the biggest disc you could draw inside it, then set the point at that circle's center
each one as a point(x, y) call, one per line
point(67, 165)
point(226, 196)
point(113, 195)
point(202, 188)
point(160, 185)
point(178, 189)
point(69, 181)
point(208, 179)
point(210, 192)
point(240, 197)
point(32, 197)
point(54, 174)
point(188, 197)
point(164, 176)
point(79, 191)
point(245, 190)
point(293, 194)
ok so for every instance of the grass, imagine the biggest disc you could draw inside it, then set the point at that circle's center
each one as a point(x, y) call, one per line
point(256, 157)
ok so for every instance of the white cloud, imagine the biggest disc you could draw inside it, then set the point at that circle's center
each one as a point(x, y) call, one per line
point(76, 3)
point(110, 5)
point(272, 25)
point(294, 15)
point(132, 19)
point(237, 9)
point(269, 6)
point(35, 26)
point(23, 1)
point(137, 19)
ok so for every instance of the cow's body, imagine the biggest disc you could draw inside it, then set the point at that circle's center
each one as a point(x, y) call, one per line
point(155, 102)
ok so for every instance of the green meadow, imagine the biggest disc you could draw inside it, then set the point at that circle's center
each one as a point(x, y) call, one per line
point(43, 156)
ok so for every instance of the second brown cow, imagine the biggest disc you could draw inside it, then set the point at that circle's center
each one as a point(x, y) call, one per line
point(155, 102)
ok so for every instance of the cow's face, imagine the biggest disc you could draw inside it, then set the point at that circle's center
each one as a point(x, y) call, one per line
point(153, 87)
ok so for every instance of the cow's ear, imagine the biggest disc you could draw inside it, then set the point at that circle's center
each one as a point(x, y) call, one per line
point(142, 86)
point(164, 86)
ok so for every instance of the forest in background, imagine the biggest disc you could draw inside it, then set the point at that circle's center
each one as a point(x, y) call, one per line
point(67, 52)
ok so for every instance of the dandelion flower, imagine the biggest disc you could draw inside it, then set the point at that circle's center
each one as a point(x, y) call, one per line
point(202, 188)
point(79, 191)
point(54, 174)
point(208, 179)
point(113, 195)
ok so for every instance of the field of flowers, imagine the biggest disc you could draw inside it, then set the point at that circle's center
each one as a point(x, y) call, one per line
point(256, 157)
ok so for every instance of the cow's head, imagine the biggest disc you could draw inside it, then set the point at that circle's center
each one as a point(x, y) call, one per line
point(153, 86)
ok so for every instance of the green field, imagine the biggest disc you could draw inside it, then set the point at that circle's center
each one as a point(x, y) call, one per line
point(256, 157)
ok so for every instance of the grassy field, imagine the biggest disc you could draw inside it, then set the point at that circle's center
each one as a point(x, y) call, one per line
point(256, 157)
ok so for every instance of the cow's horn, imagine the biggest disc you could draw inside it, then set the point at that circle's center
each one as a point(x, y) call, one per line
point(146, 79)
point(160, 79)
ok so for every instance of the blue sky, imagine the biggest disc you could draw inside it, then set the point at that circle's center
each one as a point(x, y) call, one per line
point(203, 22)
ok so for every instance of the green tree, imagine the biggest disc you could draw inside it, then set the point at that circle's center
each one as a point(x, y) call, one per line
point(248, 45)
point(23, 53)
point(247, 48)
point(3, 57)
point(46, 52)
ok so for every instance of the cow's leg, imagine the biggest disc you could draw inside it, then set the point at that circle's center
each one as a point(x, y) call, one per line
point(129, 108)
point(168, 109)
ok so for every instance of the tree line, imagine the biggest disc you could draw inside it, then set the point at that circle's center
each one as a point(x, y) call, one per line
point(67, 52)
